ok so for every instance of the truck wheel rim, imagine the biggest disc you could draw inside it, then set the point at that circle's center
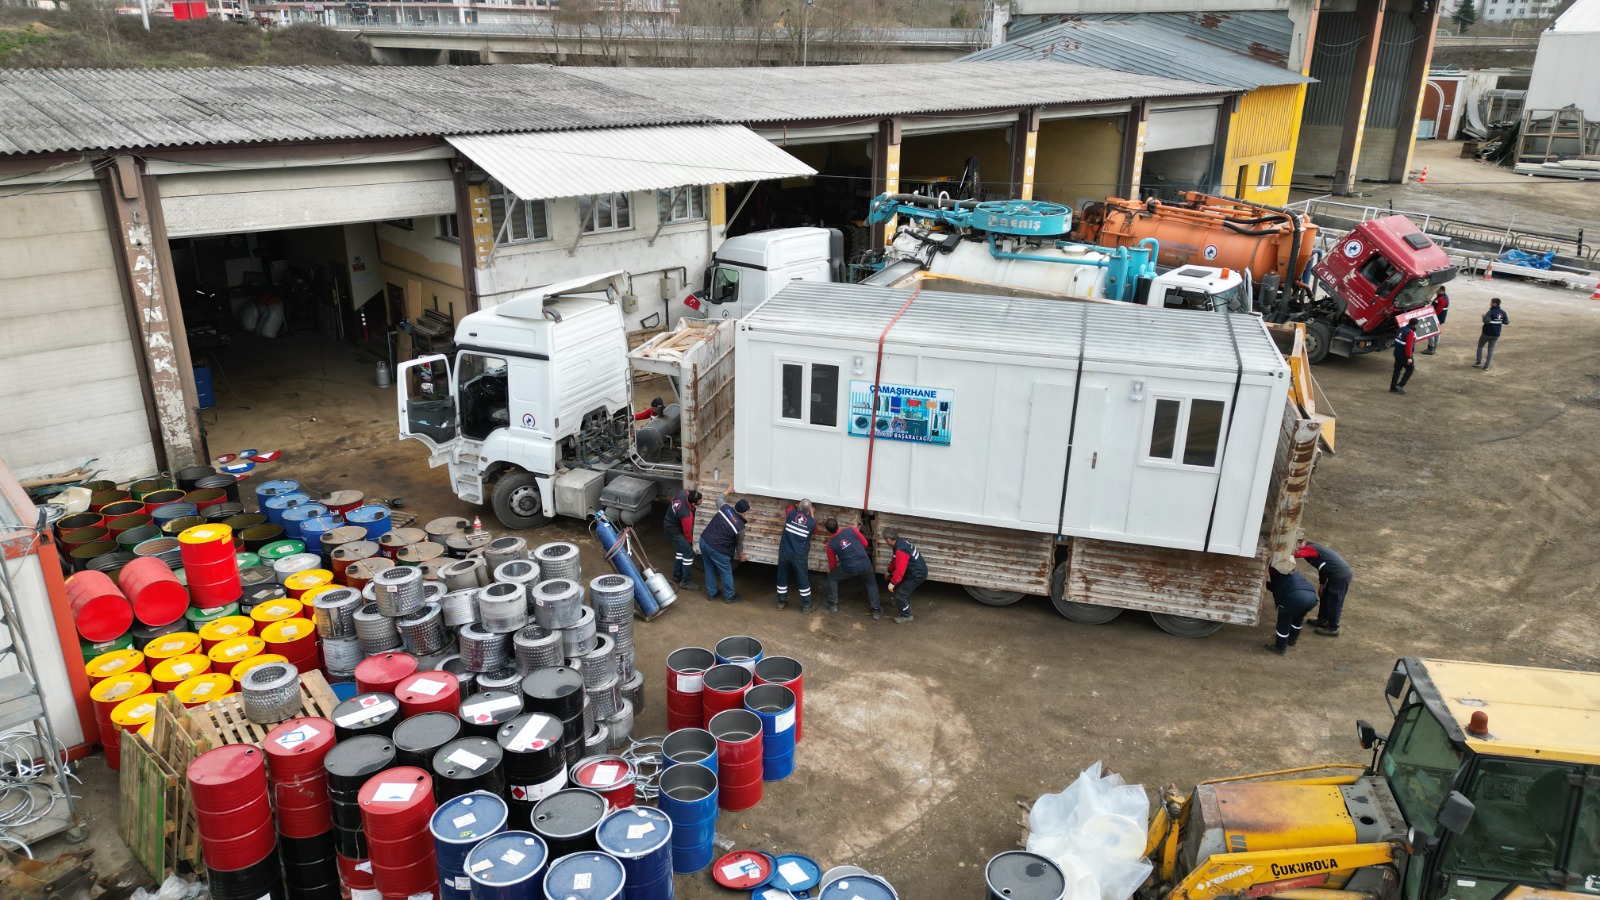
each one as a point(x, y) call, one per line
point(525, 501)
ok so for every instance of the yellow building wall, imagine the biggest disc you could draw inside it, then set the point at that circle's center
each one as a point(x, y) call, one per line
point(927, 157)
point(1078, 160)
point(1265, 130)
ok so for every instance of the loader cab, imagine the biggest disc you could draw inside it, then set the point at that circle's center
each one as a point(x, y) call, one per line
point(1497, 771)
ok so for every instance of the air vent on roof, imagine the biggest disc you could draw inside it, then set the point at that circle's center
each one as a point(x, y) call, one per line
point(1418, 241)
point(1192, 272)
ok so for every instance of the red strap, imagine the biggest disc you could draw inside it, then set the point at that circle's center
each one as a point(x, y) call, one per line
point(877, 376)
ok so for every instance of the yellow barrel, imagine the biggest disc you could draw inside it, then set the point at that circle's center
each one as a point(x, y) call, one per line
point(277, 610)
point(205, 534)
point(288, 631)
point(300, 582)
point(115, 662)
point(234, 650)
point(179, 643)
point(260, 659)
point(114, 689)
point(170, 673)
point(203, 689)
point(213, 633)
point(147, 730)
point(134, 712)
point(311, 593)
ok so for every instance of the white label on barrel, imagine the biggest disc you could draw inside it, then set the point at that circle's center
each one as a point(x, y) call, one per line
point(739, 870)
point(462, 757)
point(463, 821)
point(116, 692)
point(235, 650)
point(536, 792)
point(513, 856)
point(421, 895)
point(792, 873)
point(365, 866)
point(202, 689)
point(390, 792)
point(638, 831)
point(182, 669)
point(527, 739)
point(580, 881)
point(463, 883)
point(490, 706)
point(362, 715)
point(775, 894)
point(142, 710)
point(605, 774)
point(365, 894)
point(170, 646)
point(297, 736)
point(690, 683)
point(783, 721)
point(427, 686)
point(480, 865)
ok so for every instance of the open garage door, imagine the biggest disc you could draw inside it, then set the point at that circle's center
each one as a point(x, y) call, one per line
point(1179, 151)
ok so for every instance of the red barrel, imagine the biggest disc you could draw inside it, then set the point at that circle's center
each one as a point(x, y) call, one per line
point(127, 521)
point(100, 611)
point(342, 502)
point(210, 566)
point(158, 597)
point(787, 671)
point(383, 673)
point(354, 874)
point(724, 688)
point(228, 787)
point(295, 752)
point(227, 777)
point(738, 734)
point(686, 669)
point(205, 497)
point(342, 557)
point(229, 824)
point(609, 776)
point(428, 692)
point(396, 806)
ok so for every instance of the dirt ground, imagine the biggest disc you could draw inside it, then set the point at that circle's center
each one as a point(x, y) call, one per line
point(1466, 506)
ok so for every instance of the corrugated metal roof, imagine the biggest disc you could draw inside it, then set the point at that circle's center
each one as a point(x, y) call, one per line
point(1582, 16)
point(542, 165)
point(1184, 45)
point(1116, 332)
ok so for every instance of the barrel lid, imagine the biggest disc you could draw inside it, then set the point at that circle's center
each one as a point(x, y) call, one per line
point(280, 549)
point(286, 500)
point(299, 737)
point(402, 537)
point(553, 683)
point(584, 876)
point(135, 711)
point(466, 757)
point(398, 791)
point(113, 662)
point(168, 646)
point(491, 707)
point(303, 511)
point(510, 857)
point(275, 487)
point(342, 498)
point(742, 869)
point(203, 688)
point(468, 817)
point(354, 550)
point(634, 831)
point(385, 668)
point(866, 887)
point(427, 731)
point(179, 668)
point(247, 560)
point(359, 756)
point(529, 732)
point(260, 582)
point(366, 710)
point(227, 765)
point(309, 597)
point(287, 631)
point(120, 687)
point(307, 579)
point(237, 649)
point(276, 609)
point(372, 513)
point(260, 659)
point(227, 627)
point(568, 813)
point(205, 534)
point(795, 872)
point(198, 617)
point(602, 773)
point(769, 892)
point(1020, 875)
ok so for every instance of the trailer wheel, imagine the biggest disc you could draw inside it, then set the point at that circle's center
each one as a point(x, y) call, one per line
point(1184, 626)
point(991, 597)
point(516, 501)
point(1082, 613)
point(1319, 337)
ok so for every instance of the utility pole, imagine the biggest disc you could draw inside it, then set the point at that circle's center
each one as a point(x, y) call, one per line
point(144, 13)
point(805, 32)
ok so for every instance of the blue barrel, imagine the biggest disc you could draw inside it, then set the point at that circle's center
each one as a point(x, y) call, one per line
point(313, 528)
point(274, 506)
point(689, 798)
point(585, 875)
point(507, 866)
point(166, 512)
point(204, 391)
point(375, 519)
point(295, 516)
point(858, 887)
point(773, 704)
point(741, 650)
point(458, 826)
point(641, 839)
point(689, 745)
point(272, 489)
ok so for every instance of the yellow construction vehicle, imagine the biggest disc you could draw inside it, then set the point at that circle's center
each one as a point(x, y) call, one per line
point(1486, 786)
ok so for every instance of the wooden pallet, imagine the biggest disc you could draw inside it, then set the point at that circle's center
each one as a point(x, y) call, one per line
point(147, 819)
point(223, 721)
point(177, 741)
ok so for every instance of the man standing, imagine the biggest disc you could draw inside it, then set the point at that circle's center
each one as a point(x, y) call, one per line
point(907, 572)
point(1493, 321)
point(1441, 305)
point(1294, 597)
point(794, 553)
point(678, 526)
point(1405, 345)
point(847, 560)
point(1335, 575)
point(723, 540)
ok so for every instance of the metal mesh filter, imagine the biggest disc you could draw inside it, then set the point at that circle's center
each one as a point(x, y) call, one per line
point(433, 590)
point(375, 631)
point(399, 591)
point(606, 698)
point(482, 650)
point(612, 598)
point(595, 739)
point(464, 574)
point(556, 604)
point(503, 679)
point(536, 648)
point(622, 634)
point(518, 571)
point(620, 727)
point(334, 612)
point(598, 665)
point(340, 655)
point(589, 718)
point(578, 640)
point(633, 692)
point(271, 693)
point(502, 550)
point(460, 607)
point(424, 631)
point(295, 562)
point(559, 560)
point(502, 607)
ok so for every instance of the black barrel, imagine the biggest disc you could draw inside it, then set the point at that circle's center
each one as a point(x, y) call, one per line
point(465, 765)
point(222, 512)
point(418, 738)
point(535, 764)
point(567, 820)
point(483, 713)
point(262, 880)
point(559, 692)
point(349, 764)
point(257, 536)
point(366, 714)
point(308, 864)
point(1019, 875)
point(188, 479)
point(225, 483)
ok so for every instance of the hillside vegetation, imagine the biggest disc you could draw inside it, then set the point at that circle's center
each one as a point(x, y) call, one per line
point(93, 37)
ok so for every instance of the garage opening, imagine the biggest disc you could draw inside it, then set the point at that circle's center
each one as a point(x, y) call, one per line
point(970, 165)
point(1179, 152)
point(838, 196)
point(1079, 160)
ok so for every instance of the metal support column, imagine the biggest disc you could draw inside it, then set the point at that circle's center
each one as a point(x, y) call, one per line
point(885, 173)
point(1133, 150)
point(1024, 149)
point(1405, 133)
point(1363, 67)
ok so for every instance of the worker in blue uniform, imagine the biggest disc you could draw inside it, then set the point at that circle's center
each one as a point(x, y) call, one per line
point(907, 572)
point(1294, 596)
point(794, 553)
point(720, 543)
point(848, 560)
point(678, 526)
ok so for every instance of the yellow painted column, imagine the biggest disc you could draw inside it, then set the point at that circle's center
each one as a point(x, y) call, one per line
point(1029, 155)
point(719, 205)
point(891, 184)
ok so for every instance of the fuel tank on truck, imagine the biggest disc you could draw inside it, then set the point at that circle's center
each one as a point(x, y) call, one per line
point(971, 260)
point(1209, 232)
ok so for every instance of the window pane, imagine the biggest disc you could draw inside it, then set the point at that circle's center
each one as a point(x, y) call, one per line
point(1205, 433)
point(624, 218)
point(792, 391)
point(1520, 818)
point(538, 224)
point(1583, 863)
point(1420, 763)
point(1165, 430)
point(497, 213)
point(586, 213)
point(824, 394)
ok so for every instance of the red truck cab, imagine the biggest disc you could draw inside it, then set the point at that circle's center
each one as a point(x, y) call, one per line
point(1383, 270)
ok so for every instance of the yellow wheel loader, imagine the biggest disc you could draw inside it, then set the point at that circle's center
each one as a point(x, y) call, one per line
point(1486, 786)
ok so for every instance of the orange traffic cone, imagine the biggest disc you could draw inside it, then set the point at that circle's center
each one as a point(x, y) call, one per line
point(1423, 178)
point(1596, 294)
point(1488, 272)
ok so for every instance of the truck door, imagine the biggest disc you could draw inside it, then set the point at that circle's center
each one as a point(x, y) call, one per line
point(727, 289)
point(427, 401)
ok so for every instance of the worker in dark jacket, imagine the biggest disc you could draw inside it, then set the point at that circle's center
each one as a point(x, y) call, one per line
point(1334, 574)
point(1405, 345)
point(720, 544)
point(794, 553)
point(1294, 597)
point(848, 559)
point(907, 572)
point(678, 526)
point(1441, 307)
point(1493, 321)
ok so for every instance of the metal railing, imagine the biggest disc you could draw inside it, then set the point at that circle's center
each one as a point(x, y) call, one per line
point(1479, 235)
point(917, 37)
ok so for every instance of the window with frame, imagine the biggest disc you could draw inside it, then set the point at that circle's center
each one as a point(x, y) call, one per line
point(809, 394)
point(605, 212)
point(1518, 824)
point(398, 223)
point(529, 219)
point(448, 228)
point(1186, 431)
point(684, 204)
point(1266, 175)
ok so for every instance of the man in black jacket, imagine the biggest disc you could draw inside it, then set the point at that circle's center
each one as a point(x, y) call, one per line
point(1294, 597)
point(1334, 574)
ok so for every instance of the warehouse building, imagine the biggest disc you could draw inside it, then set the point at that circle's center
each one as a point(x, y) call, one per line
point(261, 227)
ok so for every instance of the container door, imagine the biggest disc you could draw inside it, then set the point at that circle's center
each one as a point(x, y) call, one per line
point(427, 401)
point(1096, 500)
point(1044, 462)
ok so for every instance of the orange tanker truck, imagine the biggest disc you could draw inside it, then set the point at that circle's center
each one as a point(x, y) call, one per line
point(1382, 274)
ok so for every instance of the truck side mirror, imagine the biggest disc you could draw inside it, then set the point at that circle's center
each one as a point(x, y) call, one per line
point(1367, 735)
point(1397, 682)
point(1455, 813)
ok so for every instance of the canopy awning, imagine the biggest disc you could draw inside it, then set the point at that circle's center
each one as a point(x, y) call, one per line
point(549, 164)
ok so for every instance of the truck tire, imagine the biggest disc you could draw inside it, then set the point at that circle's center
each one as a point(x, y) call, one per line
point(992, 597)
point(1082, 613)
point(1319, 338)
point(1184, 626)
point(517, 503)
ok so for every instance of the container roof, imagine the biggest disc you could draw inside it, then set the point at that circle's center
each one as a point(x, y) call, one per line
point(1533, 713)
point(1108, 332)
point(1582, 16)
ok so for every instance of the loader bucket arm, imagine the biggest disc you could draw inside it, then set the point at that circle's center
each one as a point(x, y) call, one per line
point(1265, 873)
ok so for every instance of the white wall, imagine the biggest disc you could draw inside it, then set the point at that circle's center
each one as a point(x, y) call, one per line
point(361, 251)
point(1566, 72)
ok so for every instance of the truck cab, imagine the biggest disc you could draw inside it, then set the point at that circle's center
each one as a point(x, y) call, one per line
point(1384, 269)
point(750, 268)
point(1200, 287)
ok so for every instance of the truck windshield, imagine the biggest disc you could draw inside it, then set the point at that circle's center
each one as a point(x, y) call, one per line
point(1420, 764)
point(724, 285)
point(1414, 294)
point(1519, 819)
point(1232, 299)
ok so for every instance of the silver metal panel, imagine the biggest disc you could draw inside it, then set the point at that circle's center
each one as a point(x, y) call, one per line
point(270, 199)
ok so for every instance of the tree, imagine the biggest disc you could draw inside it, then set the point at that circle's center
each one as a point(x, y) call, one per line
point(1465, 17)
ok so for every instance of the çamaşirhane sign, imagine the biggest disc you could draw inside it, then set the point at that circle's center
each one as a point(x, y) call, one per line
point(918, 415)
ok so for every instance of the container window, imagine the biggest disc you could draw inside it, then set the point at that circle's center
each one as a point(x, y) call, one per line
point(1204, 433)
point(1164, 433)
point(824, 395)
point(793, 390)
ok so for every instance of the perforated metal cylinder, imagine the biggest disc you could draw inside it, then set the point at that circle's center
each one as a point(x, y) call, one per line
point(502, 550)
point(598, 665)
point(503, 679)
point(334, 612)
point(578, 639)
point(559, 560)
point(270, 693)
point(460, 607)
point(536, 648)
point(423, 631)
point(620, 726)
point(375, 631)
point(589, 718)
point(399, 591)
point(596, 739)
point(612, 598)
point(517, 571)
point(633, 692)
point(340, 655)
point(483, 650)
point(557, 603)
point(465, 574)
point(502, 607)
point(606, 697)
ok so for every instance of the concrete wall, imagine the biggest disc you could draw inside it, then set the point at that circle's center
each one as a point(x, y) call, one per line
point(425, 267)
point(929, 156)
point(1566, 72)
point(1078, 159)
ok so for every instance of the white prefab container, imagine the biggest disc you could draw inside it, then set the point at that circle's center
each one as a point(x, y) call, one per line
point(1108, 421)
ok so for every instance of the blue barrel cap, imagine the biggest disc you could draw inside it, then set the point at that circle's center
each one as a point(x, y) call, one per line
point(584, 876)
point(273, 488)
point(510, 857)
point(469, 817)
point(365, 514)
point(794, 872)
point(771, 893)
point(864, 887)
point(634, 831)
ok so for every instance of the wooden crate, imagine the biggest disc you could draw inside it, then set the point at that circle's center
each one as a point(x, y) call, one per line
point(148, 817)
point(223, 721)
point(177, 741)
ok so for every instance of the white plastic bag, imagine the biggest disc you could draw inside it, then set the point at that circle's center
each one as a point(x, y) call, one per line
point(1095, 831)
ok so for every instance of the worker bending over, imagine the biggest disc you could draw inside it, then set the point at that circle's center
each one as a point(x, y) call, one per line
point(1334, 574)
point(848, 559)
point(720, 544)
point(1294, 597)
point(678, 526)
point(794, 553)
point(907, 572)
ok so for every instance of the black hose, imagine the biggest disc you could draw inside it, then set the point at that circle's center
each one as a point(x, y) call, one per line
point(1240, 229)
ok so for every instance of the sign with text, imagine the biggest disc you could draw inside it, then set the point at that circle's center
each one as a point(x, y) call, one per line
point(918, 415)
